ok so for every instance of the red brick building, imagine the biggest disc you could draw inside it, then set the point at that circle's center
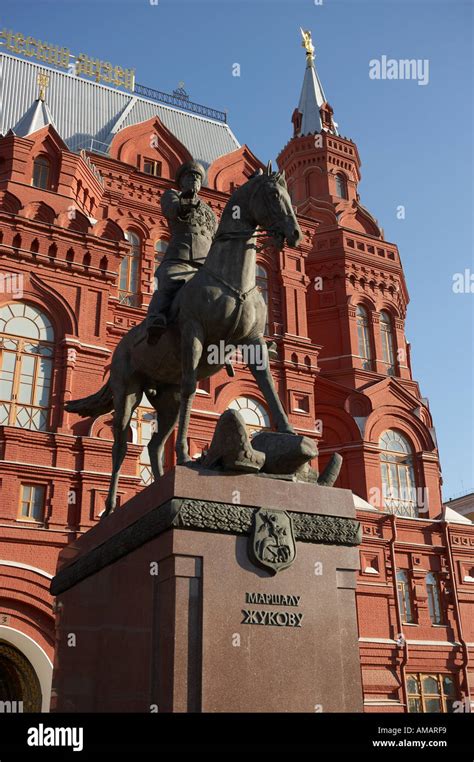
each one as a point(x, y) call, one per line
point(81, 231)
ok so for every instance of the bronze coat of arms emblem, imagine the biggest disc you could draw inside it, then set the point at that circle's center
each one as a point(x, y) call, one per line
point(272, 542)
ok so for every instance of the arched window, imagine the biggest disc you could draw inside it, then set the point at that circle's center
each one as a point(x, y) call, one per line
point(404, 596)
point(144, 425)
point(434, 598)
point(26, 352)
point(386, 333)
point(129, 271)
point(341, 185)
point(160, 251)
point(253, 413)
point(398, 478)
point(261, 279)
point(363, 335)
point(41, 172)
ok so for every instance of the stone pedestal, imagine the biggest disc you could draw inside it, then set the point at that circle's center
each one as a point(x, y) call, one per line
point(167, 606)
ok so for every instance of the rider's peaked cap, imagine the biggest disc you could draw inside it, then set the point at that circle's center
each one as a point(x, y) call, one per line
point(190, 166)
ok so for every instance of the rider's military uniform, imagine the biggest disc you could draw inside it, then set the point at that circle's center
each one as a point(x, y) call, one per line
point(192, 229)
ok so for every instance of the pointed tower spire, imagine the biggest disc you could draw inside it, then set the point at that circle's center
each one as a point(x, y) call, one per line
point(38, 115)
point(313, 114)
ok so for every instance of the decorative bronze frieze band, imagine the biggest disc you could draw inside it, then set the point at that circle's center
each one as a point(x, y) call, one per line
point(199, 515)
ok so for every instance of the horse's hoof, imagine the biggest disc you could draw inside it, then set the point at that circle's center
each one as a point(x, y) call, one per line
point(183, 460)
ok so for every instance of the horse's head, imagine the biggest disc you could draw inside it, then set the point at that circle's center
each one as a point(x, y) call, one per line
point(271, 208)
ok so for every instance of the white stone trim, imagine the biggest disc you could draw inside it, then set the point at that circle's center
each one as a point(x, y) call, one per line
point(18, 565)
point(412, 642)
point(68, 341)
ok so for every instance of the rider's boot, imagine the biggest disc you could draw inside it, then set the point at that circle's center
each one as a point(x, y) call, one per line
point(155, 328)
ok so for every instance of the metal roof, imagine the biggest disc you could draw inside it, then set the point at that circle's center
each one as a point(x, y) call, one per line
point(87, 115)
point(37, 116)
point(311, 99)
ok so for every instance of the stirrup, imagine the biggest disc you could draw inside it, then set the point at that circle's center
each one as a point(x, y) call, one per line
point(154, 332)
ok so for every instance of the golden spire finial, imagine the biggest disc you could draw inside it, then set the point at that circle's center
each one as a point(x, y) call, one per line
point(43, 82)
point(307, 44)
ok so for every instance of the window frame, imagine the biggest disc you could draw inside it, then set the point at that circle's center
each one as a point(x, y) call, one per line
point(364, 337)
point(29, 517)
point(404, 592)
point(387, 338)
point(342, 178)
point(246, 402)
point(44, 162)
point(130, 296)
point(400, 461)
point(14, 404)
point(139, 424)
point(156, 166)
point(433, 591)
point(421, 694)
point(158, 259)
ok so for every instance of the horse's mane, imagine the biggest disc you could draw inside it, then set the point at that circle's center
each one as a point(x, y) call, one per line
point(257, 176)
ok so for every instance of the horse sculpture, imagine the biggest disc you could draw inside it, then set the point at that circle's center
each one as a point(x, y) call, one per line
point(220, 303)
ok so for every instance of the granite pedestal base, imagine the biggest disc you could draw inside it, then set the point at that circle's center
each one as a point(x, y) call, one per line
point(160, 607)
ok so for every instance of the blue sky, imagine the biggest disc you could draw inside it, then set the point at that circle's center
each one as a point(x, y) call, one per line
point(415, 141)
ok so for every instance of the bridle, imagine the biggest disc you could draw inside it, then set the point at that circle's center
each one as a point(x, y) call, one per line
point(251, 232)
point(241, 235)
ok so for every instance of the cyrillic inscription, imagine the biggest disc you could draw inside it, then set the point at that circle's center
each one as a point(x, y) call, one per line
point(272, 599)
point(276, 618)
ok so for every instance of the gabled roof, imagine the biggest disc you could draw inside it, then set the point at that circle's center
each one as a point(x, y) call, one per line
point(87, 114)
point(398, 390)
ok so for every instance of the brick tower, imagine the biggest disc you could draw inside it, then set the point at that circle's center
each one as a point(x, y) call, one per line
point(357, 299)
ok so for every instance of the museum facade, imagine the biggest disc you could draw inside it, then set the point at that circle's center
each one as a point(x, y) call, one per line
point(82, 170)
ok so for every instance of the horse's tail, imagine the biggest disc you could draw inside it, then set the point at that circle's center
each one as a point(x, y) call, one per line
point(331, 472)
point(96, 404)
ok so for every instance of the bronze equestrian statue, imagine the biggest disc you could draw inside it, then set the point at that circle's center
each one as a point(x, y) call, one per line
point(220, 302)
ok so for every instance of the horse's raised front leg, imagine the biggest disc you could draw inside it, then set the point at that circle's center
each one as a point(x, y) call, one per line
point(259, 365)
point(191, 352)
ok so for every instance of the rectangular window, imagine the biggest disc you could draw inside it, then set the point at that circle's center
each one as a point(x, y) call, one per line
point(363, 337)
point(129, 272)
point(40, 177)
point(431, 693)
point(151, 167)
point(398, 490)
point(32, 502)
point(404, 597)
point(434, 598)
